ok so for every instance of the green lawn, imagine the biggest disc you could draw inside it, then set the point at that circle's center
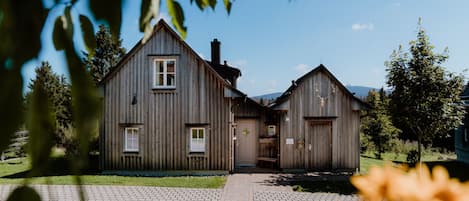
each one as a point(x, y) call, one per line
point(455, 169)
point(14, 171)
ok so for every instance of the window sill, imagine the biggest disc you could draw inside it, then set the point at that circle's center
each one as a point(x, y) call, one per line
point(131, 151)
point(196, 154)
point(164, 90)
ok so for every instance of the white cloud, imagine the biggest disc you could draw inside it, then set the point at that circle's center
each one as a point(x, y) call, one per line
point(397, 4)
point(360, 27)
point(302, 68)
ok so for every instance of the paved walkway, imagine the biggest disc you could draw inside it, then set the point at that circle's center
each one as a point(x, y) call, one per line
point(118, 193)
point(239, 187)
point(267, 187)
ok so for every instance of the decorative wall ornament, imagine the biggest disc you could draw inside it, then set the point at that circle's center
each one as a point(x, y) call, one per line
point(246, 132)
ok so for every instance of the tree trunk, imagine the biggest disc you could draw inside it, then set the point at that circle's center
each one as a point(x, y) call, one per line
point(419, 148)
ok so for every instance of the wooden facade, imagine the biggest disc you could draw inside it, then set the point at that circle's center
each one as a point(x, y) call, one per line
point(319, 124)
point(201, 98)
point(315, 122)
point(461, 135)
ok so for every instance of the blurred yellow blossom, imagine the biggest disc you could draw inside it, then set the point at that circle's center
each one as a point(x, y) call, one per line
point(390, 183)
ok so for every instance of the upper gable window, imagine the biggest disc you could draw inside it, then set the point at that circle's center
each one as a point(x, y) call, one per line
point(164, 76)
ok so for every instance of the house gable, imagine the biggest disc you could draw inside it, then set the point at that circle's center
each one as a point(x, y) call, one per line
point(322, 83)
point(201, 98)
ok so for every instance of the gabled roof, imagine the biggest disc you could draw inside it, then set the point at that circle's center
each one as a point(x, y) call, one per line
point(321, 68)
point(163, 25)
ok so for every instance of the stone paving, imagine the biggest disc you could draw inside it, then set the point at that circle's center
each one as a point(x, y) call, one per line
point(297, 196)
point(267, 187)
point(118, 193)
point(239, 187)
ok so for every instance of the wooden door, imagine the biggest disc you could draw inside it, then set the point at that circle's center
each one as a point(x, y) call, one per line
point(246, 143)
point(319, 145)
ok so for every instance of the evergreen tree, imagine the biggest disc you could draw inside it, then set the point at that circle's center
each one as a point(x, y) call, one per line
point(58, 92)
point(376, 125)
point(106, 56)
point(424, 101)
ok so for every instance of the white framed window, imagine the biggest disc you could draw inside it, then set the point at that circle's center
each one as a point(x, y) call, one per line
point(131, 135)
point(197, 141)
point(164, 76)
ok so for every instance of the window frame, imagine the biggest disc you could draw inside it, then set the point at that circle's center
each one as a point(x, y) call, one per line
point(165, 73)
point(126, 133)
point(191, 142)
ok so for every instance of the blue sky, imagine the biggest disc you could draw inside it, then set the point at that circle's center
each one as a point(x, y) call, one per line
point(274, 42)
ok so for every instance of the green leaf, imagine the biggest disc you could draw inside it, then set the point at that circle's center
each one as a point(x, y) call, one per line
point(177, 16)
point(11, 86)
point(24, 193)
point(227, 5)
point(109, 11)
point(202, 4)
point(67, 22)
point(41, 126)
point(58, 34)
point(148, 11)
point(88, 33)
point(85, 100)
point(21, 27)
point(212, 3)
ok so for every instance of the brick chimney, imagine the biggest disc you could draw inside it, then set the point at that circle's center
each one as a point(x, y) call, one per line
point(215, 51)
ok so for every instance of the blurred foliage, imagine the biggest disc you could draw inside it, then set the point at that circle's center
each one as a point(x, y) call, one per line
point(424, 100)
point(21, 25)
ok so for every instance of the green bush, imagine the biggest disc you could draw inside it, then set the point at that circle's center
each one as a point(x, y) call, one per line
point(413, 157)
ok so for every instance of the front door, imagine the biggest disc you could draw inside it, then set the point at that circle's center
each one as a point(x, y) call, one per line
point(246, 143)
point(319, 145)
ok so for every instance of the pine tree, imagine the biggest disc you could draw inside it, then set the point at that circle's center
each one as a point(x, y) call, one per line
point(106, 56)
point(424, 101)
point(377, 125)
point(58, 92)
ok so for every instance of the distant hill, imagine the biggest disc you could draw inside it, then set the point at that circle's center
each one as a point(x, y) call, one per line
point(268, 96)
point(360, 91)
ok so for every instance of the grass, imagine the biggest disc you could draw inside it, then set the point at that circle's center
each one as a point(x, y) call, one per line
point(456, 170)
point(14, 171)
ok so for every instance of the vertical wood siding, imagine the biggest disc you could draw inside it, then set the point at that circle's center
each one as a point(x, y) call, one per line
point(305, 102)
point(163, 115)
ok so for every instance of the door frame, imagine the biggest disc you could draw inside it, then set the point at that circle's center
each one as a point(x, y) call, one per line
point(308, 125)
point(256, 144)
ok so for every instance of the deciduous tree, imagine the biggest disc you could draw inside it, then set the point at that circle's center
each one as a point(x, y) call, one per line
point(424, 99)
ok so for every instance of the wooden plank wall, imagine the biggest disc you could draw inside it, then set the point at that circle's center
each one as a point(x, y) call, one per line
point(163, 115)
point(304, 102)
point(460, 144)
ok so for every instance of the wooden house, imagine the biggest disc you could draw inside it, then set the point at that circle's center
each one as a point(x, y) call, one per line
point(166, 108)
point(461, 136)
point(319, 124)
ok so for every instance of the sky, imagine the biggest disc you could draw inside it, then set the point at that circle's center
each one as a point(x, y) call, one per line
point(274, 42)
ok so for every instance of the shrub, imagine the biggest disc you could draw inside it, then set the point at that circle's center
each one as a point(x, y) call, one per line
point(413, 157)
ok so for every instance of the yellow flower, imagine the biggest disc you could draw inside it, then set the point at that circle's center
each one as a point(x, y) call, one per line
point(395, 184)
